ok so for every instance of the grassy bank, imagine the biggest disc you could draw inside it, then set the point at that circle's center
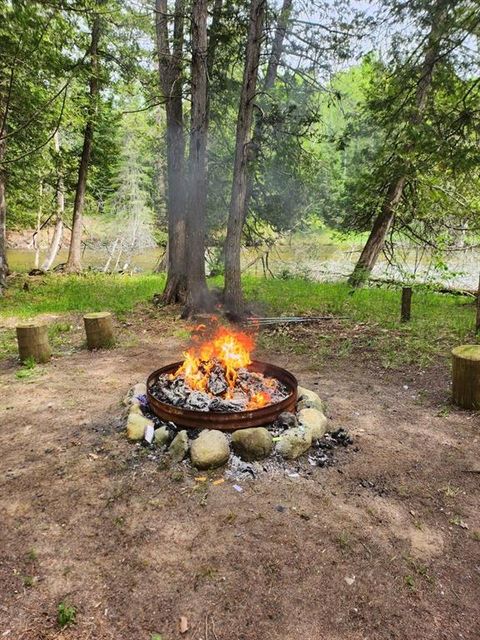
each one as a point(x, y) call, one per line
point(372, 315)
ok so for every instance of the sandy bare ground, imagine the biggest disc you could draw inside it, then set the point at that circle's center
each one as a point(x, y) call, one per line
point(375, 547)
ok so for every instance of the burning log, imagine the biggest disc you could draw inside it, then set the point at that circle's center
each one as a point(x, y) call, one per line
point(99, 330)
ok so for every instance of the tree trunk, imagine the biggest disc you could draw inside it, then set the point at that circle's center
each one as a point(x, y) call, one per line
point(233, 285)
point(197, 298)
point(171, 86)
point(36, 235)
point(384, 220)
point(3, 222)
point(268, 83)
point(56, 242)
point(74, 261)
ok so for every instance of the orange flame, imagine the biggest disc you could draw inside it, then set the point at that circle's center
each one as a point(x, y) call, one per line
point(231, 349)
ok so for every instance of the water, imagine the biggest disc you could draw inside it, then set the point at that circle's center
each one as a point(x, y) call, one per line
point(306, 255)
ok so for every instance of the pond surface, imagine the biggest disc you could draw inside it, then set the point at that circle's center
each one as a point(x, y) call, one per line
point(304, 256)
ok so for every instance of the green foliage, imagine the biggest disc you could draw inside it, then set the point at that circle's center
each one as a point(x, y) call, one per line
point(66, 615)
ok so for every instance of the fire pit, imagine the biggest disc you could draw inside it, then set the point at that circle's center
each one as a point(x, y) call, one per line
point(218, 386)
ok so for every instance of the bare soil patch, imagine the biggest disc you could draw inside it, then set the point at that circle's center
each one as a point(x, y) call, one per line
point(374, 547)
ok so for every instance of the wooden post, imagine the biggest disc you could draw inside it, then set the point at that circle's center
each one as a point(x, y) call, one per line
point(33, 342)
point(406, 304)
point(99, 330)
point(477, 321)
point(466, 376)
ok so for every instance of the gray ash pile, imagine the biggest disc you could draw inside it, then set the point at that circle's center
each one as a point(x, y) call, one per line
point(212, 387)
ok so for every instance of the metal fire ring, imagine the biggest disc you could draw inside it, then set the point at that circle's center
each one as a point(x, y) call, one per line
point(225, 421)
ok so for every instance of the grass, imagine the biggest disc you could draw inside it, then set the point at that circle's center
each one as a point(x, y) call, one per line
point(438, 321)
point(89, 292)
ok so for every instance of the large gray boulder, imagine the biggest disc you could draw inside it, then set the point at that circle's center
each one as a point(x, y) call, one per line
point(314, 421)
point(252, 444)
point(209, 450)
point(179, 447)
point(294, 442)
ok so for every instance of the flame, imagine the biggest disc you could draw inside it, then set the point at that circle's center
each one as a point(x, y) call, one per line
point(231, 350)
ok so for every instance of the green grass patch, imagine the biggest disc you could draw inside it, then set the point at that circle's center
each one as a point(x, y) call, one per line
point(438, 323)
point(89, 292)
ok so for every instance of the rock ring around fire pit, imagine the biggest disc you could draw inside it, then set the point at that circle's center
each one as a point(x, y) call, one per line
point(225, 421)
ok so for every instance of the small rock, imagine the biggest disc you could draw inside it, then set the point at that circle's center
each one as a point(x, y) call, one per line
point(131, 398)
point(179, 446)
point(136, 408)
point(309, 400)
point(210, 450)
point(161, 437)
point(287, 420)
point(252, 444)
point(136, 425)
point(294, 442)
point(349, 580)
point(314, 421)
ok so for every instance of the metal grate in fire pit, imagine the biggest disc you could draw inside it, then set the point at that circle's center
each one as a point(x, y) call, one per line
point(219, 419)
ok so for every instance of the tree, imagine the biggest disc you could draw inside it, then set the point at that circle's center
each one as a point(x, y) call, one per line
point(74, 262)
point(440, 23)
point(233, 285)
point(170, 74)
point(56, 241)
point(197, 296)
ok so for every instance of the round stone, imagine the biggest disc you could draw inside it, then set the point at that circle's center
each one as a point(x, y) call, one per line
point(209, 450)
point(252, 444)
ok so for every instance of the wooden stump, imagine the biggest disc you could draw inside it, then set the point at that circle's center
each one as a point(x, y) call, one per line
point(99, 330)
point(406, 304)
point(466, 376)
point(33, 342)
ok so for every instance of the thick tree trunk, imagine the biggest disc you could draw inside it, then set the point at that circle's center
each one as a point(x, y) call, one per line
point(3, 222)
point(171, 86)
point(198, 298)
point(384, 220)
point(56, 241)
point(233, 285)
point(74, 261)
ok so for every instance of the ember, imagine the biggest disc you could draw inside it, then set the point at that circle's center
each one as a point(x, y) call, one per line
point(214, 376)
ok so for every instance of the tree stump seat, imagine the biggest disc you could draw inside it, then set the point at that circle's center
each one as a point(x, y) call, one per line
point(99, 330)
point(466, 376)
point(32, 338)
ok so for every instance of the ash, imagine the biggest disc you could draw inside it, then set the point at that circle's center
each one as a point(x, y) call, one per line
point(218, 396)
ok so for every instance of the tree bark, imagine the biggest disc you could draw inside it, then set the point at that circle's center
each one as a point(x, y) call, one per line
point(394, 192)
point(268, 84)
point(74, 261)
point(171, 86)
point(3, 222)
point(197, 298)
point(233, 286)
point(56, 241)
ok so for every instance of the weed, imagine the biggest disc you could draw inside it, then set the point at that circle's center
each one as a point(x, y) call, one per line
point(66, 615)
point(343, 540)
point(410, 582)
point(450, 491)
point(476, 535)
point(28, 369)
point(28, 581)
point(32, 554)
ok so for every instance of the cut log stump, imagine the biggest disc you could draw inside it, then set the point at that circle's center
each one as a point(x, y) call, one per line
point(99, 330)
point(466, 376)
point(33, 342)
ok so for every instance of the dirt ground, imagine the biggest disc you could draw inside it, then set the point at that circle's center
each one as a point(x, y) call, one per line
point(383, 545)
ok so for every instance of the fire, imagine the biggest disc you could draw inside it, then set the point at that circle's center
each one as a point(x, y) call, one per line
point(231, 351)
